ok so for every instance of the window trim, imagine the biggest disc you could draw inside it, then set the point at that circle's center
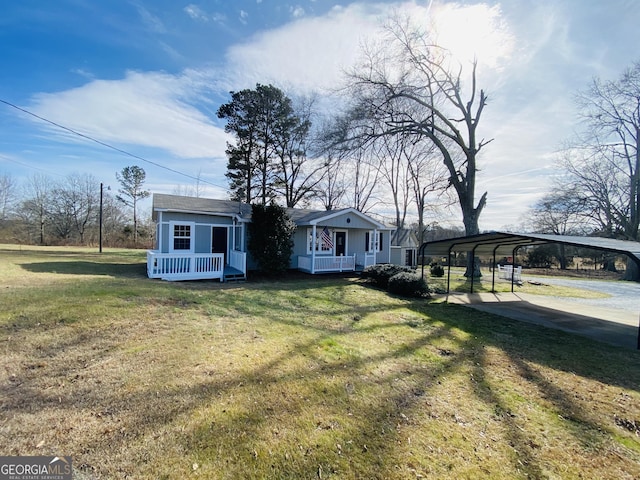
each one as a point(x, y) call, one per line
point(372, 246)
point(191, 237)
point(319, 251)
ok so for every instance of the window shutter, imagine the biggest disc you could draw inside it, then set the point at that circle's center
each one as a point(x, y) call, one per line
point(380, 248)
point(366, 242)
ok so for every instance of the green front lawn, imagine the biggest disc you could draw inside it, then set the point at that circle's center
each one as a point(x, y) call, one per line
point(303, 378)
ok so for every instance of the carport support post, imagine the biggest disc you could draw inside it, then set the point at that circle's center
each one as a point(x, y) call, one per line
point(513, 267)
point(449, 271)
point(473, 265)
point(493, 272)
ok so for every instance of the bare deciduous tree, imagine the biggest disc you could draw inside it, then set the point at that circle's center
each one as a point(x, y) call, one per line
point(604, 163)
point(560, 212)
point(331, 189)
point(8, 195)
point(411, 86)
point(296, 175)
point(34, 208)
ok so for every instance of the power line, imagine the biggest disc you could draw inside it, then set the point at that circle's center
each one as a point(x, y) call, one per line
point(9, 159)
point(104, 144)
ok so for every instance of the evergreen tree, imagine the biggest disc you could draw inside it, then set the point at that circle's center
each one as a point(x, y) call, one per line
point(262, 120)
point(270, 239)
point(131, 180)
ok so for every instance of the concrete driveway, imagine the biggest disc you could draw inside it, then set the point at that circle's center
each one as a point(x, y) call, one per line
point(622, 295)
point(613, 320)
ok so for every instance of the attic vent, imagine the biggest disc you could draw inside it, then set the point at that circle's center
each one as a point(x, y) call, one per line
point(348, 220)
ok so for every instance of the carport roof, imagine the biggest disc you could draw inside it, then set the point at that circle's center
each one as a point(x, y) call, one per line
point(503, 243)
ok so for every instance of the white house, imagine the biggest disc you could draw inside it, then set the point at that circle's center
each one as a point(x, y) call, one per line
point(202, 238)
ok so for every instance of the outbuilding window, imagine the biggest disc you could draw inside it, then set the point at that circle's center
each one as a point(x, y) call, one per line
point(182, 237)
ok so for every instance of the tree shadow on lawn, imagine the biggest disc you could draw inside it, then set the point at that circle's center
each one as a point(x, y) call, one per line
point(531, 350)
point(252, 417)
point(364, 405)
point(82, 267)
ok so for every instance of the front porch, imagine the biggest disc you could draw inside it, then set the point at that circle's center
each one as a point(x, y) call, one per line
point(196, 266)
point(332, 264)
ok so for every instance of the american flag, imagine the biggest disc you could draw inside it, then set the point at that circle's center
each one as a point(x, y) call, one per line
point(326, 239)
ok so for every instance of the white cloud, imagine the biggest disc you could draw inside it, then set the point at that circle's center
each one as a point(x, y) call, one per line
point(196, 13)
point(313, 52)
point(145, 109)
point(83, 73)
point(308, 54)
point(220, 18)
point(244, 16)
point(297, 11)
point(472, 32)
point(152, 22)
point(524, 115)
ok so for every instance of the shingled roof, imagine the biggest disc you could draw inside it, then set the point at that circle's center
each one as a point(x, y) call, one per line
point(179, 203)
point(209, 206)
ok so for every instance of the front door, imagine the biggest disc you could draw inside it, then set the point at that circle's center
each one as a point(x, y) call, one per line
point(219, 241)
point(408, 259)
point(341, 244)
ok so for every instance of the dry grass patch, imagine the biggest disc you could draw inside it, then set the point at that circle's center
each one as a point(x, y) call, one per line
point(308, 378)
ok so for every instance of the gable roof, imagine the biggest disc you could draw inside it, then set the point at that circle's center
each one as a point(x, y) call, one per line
point(228, 208)
point(312, 217)
point(404, 237)
point(178, 203)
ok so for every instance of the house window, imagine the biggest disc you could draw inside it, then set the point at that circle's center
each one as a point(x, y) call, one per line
point(323, 242)
point(237, 244)
point(182, 237)
point(371, 243)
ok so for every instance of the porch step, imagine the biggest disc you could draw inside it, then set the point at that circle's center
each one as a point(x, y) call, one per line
point(235, 278)
point(233, 275)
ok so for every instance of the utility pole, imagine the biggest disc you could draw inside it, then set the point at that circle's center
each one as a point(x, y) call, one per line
point(101, 196)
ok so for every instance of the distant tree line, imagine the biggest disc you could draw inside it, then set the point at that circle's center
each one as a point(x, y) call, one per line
point(45, 211)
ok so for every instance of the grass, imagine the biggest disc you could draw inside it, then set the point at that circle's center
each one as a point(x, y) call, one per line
point(460, 283)
point(304, 379)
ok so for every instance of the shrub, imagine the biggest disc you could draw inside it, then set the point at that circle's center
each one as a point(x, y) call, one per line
point(380, 274)
point(437, 270)
point(408, 284)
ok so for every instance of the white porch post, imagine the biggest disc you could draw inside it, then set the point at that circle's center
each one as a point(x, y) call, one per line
point(313, 249)
point(159, 233)
point(376, 246)
point(233, 235)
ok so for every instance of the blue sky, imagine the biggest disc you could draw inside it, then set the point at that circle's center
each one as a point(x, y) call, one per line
point(147, 76)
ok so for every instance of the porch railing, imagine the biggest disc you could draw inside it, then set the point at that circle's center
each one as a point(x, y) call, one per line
point(304, 263)
point(238, 260)
point(366, 259)
point(184, 266)
point(327, 264)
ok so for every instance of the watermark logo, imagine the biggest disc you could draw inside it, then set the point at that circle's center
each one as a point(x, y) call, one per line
point(35, 468)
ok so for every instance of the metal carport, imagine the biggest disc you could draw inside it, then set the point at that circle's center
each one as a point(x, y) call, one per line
point(507, 244)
